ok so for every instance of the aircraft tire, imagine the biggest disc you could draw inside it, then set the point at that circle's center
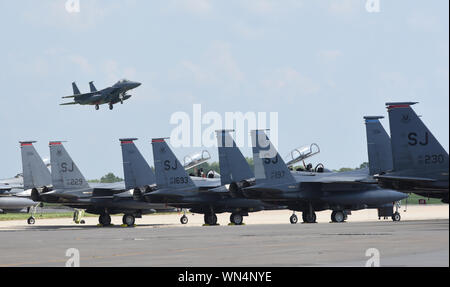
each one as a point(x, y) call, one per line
point(338, 216)
point(309, 219)
point(293, 219)
point(128, 219)
point(210, 219)
point(97, 107)
point(111, 106)
point(236, 218)
point(31, 220)
point(104, 219)
point(396, 217)
point(184, 219)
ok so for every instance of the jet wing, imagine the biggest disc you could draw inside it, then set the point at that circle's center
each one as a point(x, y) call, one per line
point(82, 95)
point(66, 104)
point(114, 187)
point(404, 178)
point(220, 189)
point(9, 187)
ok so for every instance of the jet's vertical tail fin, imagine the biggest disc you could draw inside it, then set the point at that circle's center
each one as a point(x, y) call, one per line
point(233, 166)
point(35, 172)
point(170, 173)
point(135, 168)
point(413, 144)
point(92, 87)
point(76, 91)
point(378, 146)
point(65, 173)
point(269, 166)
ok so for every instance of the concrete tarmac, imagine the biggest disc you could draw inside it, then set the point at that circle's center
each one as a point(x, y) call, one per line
point(407, 243)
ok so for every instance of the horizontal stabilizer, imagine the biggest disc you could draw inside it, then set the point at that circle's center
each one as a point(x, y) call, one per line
point(405, 178)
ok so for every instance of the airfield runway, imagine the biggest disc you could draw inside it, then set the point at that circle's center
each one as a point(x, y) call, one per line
point(420, 239)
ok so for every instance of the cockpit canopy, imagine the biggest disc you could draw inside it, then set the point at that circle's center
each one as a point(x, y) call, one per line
point(193, 160)
point(302, 153)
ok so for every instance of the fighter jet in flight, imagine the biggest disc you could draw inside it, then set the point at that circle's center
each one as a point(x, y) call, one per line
point(311, 191)
point(420, 163)
point(110, 95)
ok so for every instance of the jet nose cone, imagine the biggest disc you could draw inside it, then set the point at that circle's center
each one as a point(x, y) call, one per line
point(136, 84)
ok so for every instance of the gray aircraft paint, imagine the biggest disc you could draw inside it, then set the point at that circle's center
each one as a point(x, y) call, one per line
point(169, 171)
point(233, 165)
point(276, 182)
point(420, 163)
point(413, 142)
point(35, 172)
point(65, 173)
point(135, 168)
point(110, 95)
point(378, 146)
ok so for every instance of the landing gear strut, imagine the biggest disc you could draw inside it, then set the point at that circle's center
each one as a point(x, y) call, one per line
point(78, 216)
point(396, 216)
point(184, 219)
point(31, 220)
point(309, 216)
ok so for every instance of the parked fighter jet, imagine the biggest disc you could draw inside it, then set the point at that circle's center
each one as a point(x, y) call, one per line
point(70, 188)
point(110, 95)
point(11, 185)
point(176, 188)
point(309, 192)
point(35, 175)
point(420, 163)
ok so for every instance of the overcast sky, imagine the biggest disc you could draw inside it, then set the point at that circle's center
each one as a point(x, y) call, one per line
point(322, 65)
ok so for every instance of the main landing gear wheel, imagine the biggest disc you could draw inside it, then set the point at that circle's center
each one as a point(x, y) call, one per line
point(128, 219)
point(210, 219)
point(309, 217)
point(31, 220)
point(396, 217)
point(111, 106)
point(97, 107)
point(104, 219)
point(338, 216)
point(236, 218)
point(293, 219)
point(184, 219)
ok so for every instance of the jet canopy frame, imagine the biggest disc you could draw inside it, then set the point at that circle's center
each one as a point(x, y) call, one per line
point(301, 153)
point(196, 159)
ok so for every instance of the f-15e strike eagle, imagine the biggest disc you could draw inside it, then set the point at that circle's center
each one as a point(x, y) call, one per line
point(110, 95)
